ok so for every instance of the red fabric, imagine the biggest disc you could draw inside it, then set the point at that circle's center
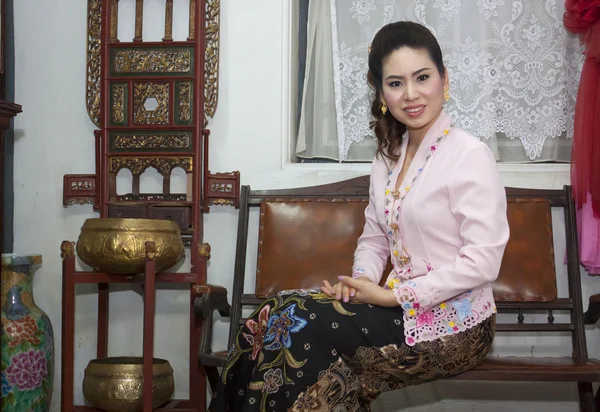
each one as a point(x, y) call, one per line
point(583, 17)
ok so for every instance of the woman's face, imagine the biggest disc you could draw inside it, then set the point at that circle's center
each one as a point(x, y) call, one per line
point(412, 88)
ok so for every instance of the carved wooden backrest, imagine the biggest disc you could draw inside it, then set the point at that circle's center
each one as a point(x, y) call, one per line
point(152, 116)
point(151, 101)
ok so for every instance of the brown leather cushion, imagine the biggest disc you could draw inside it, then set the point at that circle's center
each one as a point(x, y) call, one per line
point(528, 273)
point(304, 241)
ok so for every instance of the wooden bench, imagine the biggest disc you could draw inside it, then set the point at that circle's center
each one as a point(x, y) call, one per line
point(309, 234)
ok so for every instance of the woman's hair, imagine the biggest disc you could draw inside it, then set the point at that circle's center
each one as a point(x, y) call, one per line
point(388, 39)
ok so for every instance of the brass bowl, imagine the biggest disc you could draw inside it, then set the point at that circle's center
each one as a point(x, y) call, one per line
point(115, 384)
point(118, 246)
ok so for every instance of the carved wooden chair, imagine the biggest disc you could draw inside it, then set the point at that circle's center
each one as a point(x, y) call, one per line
point(321, 225)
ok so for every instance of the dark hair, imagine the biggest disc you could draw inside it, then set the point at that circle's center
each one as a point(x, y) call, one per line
point(388, 39)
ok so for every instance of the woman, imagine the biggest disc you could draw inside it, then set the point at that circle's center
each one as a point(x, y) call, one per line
point(437, 208)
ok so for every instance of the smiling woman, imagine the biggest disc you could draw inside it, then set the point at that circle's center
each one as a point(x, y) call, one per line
point(411, 81)
point(307, 350)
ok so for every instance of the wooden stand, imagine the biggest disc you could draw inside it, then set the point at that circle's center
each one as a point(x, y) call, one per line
point(148, 280)
point(151, 102)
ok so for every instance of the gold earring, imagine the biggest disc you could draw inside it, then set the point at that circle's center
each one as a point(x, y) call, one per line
point(446, 95)
point(383, 108)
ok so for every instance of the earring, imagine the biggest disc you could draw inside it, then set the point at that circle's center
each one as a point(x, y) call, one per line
point(446, 94)
point(383, 108)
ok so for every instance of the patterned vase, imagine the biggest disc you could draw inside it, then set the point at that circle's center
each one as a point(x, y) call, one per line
point(27, 339)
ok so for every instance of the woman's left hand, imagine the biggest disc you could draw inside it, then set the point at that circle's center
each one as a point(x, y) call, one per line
point(369, 292)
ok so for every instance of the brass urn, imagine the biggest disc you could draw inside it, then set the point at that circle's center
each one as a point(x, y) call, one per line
point(118, 245)
point(115, 384)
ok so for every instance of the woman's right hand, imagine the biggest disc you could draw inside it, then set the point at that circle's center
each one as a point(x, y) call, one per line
point(341, 291)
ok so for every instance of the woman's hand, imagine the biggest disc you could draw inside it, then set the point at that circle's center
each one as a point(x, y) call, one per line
point(341, 291)
point(369, 292)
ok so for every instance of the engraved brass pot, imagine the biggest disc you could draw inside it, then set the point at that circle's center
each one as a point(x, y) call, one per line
point(118, 246)
point(115, 384)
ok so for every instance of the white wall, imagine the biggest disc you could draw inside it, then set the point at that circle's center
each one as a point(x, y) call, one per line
point(54, 137)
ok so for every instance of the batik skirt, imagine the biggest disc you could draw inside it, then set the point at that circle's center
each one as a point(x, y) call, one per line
point(304, 351)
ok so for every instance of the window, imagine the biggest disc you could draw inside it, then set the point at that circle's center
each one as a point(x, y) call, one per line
point(513, 71)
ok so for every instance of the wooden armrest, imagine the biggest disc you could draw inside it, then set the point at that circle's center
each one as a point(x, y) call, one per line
point(592, 315)
point(209, 298)
point(210, 289)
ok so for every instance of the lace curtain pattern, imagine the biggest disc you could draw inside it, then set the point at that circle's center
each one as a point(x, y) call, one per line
point(513, 68)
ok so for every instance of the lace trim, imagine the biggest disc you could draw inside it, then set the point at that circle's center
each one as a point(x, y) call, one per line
point(448, 318)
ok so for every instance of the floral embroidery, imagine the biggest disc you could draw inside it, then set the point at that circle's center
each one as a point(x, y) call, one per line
point(425, 319)
point(273, 380)
point(463, 308)
point(404, 258)
point(270, 343)
point(392, 282)
point(321, 297)
point(358, 272)
point(281, 323)
point(281, 327)
point(447, 318)
point(258, 330)
point(299, 292)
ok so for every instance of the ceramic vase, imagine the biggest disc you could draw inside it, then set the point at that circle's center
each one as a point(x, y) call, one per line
point(27, 339)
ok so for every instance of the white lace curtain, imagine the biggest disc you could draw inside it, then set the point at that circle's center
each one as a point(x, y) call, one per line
point(513, 69)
